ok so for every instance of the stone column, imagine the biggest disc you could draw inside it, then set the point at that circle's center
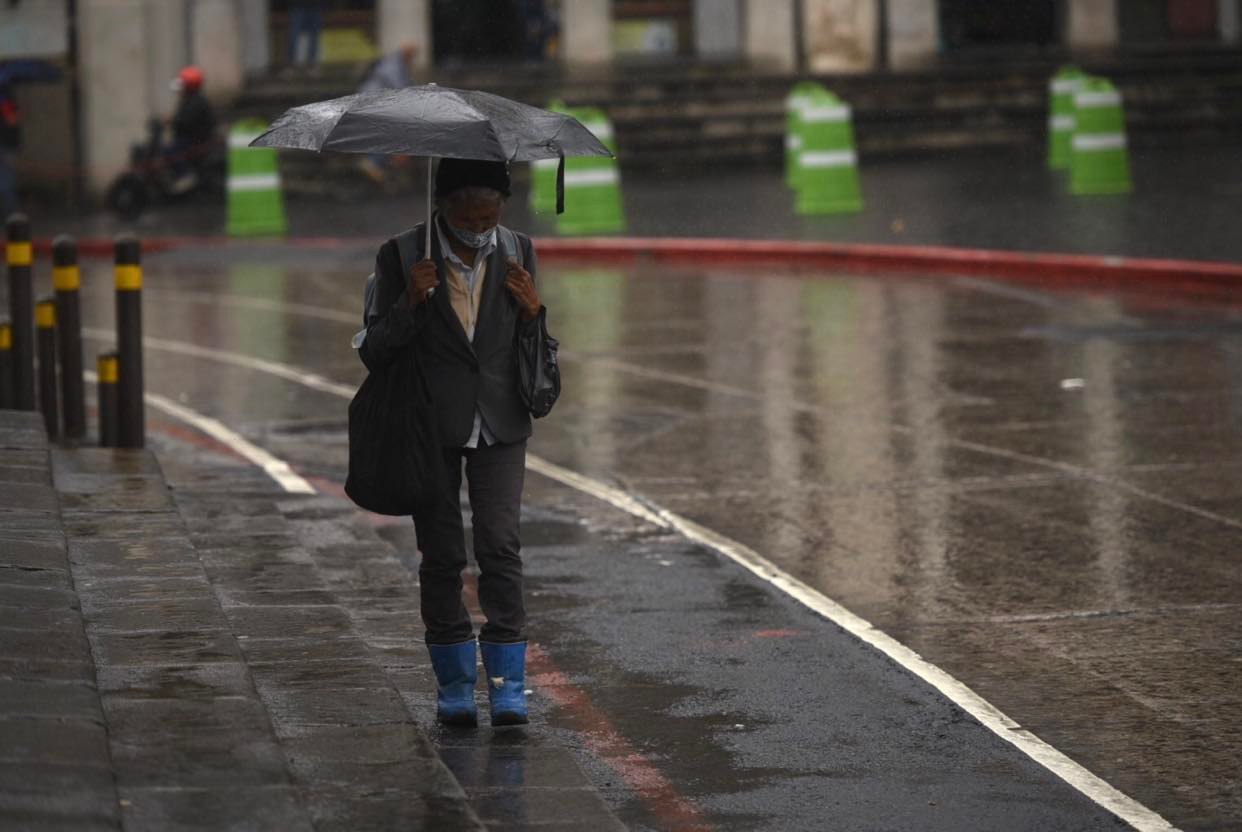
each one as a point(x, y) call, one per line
point(167, 51)
point(215, 46)
point(768, 30)
point(718, 29)
point(840, 35)
point(39, 30)
point(913, 33)
point(586, 32)
point(1230, 24)
point(399, 22)
point(115, 84)
point(256, 34)
point(1093, 24)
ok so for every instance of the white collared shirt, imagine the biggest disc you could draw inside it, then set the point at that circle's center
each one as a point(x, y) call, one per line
point(471, 278)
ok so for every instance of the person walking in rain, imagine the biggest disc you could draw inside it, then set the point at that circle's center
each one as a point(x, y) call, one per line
point(462, 305)
point(305, 27)
point(390, 72)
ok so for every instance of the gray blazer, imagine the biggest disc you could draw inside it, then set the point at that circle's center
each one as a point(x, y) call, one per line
point(462, 375)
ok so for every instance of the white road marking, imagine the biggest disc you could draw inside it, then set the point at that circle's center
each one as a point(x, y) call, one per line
point(297, 376)
point(1078, 777)
point(274, 467)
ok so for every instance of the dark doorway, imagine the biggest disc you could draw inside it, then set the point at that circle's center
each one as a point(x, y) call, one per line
point(967, 24)
point(493, 31)
point(1165, 21)
point(1193, 19)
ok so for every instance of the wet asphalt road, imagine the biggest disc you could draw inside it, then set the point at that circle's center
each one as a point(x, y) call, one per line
point(1184, 205)
point(1037, 490)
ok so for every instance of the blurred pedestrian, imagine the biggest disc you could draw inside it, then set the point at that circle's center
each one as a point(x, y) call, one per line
point(392, 71)
point(10, 143)
point(305, 27)
point(193, 129)
point(461, 306)
point(538, 28)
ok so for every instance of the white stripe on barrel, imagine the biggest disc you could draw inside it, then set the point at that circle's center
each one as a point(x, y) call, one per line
point(828, 159)
point(1097, 100)
point(1063, 123)
point(242, 140)
point(254, 182)
point(603, 176)
point(1100, 141)
point(601, 129)
point(1065, 86)
point(825, 115)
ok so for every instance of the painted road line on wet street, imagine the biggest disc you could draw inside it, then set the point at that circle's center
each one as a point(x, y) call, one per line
point(991, 717)
point(275, 468)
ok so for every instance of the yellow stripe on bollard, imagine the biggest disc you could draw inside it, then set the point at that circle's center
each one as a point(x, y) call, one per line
point(108, 368)
point(45, 315)
point(20, 254)
point(66, 278)
point(128, 278)
point(6, 337)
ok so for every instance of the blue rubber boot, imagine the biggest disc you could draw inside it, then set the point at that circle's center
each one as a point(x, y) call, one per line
point(456, 667)
point(505, 665)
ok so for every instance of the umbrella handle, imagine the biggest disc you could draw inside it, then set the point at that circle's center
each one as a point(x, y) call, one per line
point(427, 245)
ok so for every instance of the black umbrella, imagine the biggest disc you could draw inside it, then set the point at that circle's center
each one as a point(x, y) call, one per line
point(435, 121)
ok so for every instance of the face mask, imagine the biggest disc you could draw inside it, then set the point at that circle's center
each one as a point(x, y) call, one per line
point(471, 239)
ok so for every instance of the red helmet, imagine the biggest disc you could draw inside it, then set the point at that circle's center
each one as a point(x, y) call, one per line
point(190, 78)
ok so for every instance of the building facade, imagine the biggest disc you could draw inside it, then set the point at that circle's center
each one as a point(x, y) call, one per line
point(128, 50)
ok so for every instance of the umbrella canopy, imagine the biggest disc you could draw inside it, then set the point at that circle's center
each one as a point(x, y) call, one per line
point(434, 121)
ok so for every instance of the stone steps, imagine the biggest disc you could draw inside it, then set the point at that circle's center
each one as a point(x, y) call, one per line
point(705, 115)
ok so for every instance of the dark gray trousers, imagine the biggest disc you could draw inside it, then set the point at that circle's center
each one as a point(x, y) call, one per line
point(494, 477)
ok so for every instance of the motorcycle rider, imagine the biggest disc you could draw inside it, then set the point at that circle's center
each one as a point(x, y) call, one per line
point(193, 129)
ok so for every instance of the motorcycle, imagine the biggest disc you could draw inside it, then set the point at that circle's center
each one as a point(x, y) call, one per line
point(157, 172)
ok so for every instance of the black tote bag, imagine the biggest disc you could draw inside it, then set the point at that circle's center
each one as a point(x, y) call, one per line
point(539, 374)
point(396, 466)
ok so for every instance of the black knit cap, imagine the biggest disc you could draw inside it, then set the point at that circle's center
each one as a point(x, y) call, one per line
point(455, 174)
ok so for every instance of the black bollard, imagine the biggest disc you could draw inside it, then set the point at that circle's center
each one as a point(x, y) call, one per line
point(67, 280)
point(131, 418)
point(107, 371)
point(20, 255)
point(45, 344)
point(6, 366)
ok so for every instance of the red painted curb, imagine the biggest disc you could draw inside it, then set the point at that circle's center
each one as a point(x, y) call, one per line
point(104, 247)
point(854, 257)
point(893, 258)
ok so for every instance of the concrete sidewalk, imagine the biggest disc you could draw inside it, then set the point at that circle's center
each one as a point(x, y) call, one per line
point(206, 652)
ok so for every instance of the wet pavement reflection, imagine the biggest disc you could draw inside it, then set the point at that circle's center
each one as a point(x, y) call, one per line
point(1037, 490)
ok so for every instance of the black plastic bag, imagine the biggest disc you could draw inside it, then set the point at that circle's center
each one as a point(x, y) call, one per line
point(539, 375)
point(396, 465)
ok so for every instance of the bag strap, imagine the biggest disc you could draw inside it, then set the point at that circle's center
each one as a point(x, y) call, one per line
point(407, 253)
point(407, 249)
point(509, 244)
